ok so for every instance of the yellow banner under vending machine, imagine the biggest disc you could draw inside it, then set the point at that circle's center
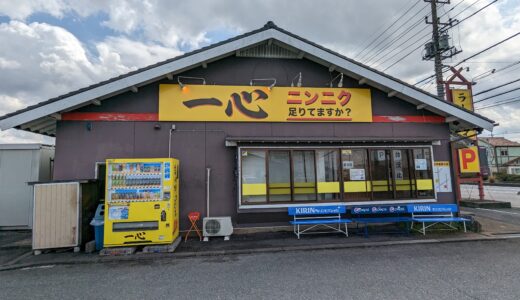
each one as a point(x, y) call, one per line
point(141, 202)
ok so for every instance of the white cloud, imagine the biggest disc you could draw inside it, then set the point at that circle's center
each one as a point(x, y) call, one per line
point(21, 9)
point(8, 64)
point(41, 61)
point(9, 104)
point(13, 136)
point(132, 53)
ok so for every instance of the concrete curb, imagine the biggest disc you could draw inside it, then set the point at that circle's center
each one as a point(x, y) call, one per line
point(507, 184)
point(158, 256)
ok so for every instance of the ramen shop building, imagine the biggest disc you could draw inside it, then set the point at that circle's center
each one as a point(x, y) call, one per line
point(261, 122)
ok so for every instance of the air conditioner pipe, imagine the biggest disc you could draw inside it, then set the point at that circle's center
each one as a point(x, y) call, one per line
point(208, 173)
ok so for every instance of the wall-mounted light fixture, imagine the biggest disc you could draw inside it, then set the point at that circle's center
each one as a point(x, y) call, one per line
point(270, 87)
point(340, 83)
point(189, 78)
point(299, 83)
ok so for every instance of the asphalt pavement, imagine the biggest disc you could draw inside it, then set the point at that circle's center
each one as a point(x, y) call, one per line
point(468, 270)
point(498, 193)
point(496, 221)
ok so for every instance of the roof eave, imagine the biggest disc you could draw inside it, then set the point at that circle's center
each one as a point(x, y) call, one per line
point(402, 90)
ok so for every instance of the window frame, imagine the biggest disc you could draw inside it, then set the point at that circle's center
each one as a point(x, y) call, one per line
point(317, 202)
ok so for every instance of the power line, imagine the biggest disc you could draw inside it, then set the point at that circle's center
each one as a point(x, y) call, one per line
point(369, 57)
point(421, 41)
point(411, 52)
point(403, 35)
point(496, 95)
point(467, 7)
point(501, 69)
point(497, 87)
point(384, 31)
point(371, 36)
point(474, 13)
point(499, 104)
point(476, 54)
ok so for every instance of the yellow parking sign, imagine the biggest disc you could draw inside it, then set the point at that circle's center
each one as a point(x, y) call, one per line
point(468, 159)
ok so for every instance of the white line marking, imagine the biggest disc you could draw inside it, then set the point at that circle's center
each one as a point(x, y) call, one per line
point(499, 211)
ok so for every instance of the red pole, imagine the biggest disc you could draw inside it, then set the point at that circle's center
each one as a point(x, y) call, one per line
point(454, 152)
point(456, 171)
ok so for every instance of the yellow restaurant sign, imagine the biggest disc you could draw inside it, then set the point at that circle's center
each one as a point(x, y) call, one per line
point(471, 134)
point(462, 98)
point(260, 104)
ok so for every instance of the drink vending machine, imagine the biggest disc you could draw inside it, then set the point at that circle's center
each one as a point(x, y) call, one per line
point(141, 201)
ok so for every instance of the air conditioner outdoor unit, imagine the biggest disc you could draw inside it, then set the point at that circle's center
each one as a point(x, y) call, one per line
point(217, 226)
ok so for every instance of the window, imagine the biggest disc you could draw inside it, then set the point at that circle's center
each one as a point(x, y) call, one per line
point(404, 183)
point(301, 175)
point(253, 176)
point(304, 175)
point(327, 172)
point(504, 153)
point(381, 174)
point(354, 166)
point(279, 176)
point(423, 172)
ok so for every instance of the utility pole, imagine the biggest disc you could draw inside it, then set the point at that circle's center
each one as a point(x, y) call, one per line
point(496, 156)
point(439, 48)
point(437, 60)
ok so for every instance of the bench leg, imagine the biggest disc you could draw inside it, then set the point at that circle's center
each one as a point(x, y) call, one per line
point(298, 231)
point(423, 229)
point(346, 230)
point(464, 225)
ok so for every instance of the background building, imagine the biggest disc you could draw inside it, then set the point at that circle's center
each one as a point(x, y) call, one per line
point(20, 164)
point(502, 154)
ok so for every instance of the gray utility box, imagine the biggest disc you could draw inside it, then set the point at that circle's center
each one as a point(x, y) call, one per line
point(20, 164)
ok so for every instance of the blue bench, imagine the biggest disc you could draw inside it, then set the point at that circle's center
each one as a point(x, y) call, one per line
point(388, 214)
point(325, 216)
point(435, 214)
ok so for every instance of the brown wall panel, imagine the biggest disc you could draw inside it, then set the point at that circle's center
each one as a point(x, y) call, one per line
point(199, 145)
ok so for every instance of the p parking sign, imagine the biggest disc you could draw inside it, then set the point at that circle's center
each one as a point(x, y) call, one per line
point(468, 159)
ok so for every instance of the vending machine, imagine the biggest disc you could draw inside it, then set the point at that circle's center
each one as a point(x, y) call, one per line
point(141, 202)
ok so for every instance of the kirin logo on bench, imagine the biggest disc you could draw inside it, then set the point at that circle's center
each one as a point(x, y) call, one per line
point(438, 208)
point(314, 210)
point(422, 208)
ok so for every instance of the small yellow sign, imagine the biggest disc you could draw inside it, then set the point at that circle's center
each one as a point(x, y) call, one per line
point(468, 159)
point(471, 134)
point(441, 163)
point(462, 98)
point(260, 104)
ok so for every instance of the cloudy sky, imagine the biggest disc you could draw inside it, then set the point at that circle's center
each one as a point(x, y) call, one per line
point(51, 47)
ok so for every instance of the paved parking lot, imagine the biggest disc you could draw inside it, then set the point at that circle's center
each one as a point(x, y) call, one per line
point(470, 270)
point(499, 193)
